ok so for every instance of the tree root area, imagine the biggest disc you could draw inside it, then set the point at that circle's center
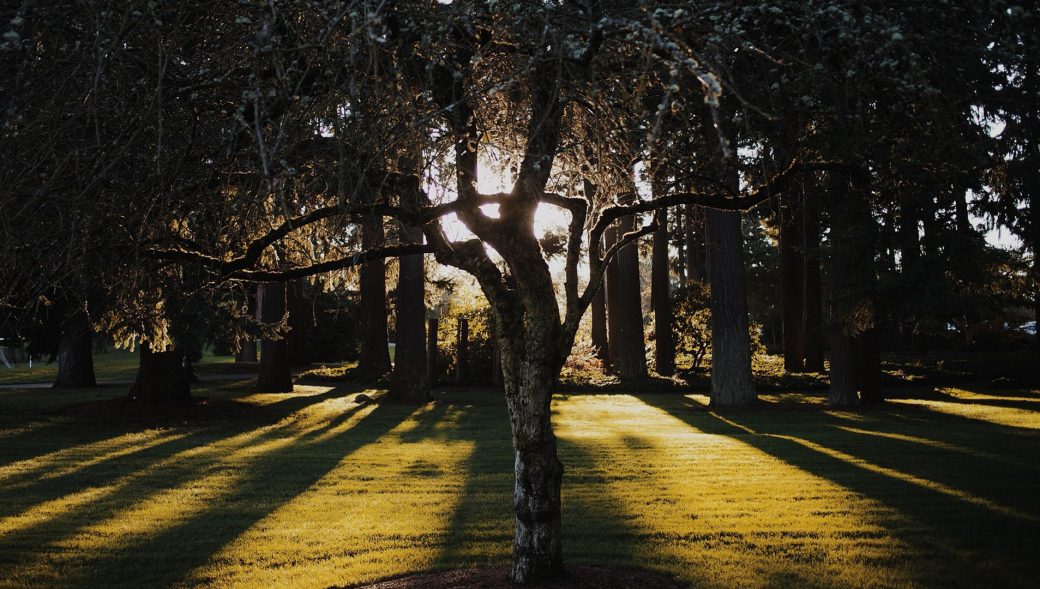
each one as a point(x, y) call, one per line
point(577, 577)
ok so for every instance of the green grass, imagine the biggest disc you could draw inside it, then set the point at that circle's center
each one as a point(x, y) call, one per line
point(310, 489)
point(112, 364)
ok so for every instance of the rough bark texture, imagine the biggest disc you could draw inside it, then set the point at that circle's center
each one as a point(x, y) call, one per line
point(731, 383)
point(664, 347)
point(612, 292)
point(75, 353)
point(813, 290)
point(160, 377)
point(275, 375)
point(374, 346)
point(410, 379)
point(792, 282)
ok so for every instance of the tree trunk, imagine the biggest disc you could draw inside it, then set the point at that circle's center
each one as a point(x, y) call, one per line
point(374, 358)
point(599, 328)
point(664, 347)
point(868, 368)
point(431, 349)
point(842, 391)
point(160, 377)
point(813, 290)
point(537, 544)
point(300, 317)
point(75, 353)
point(731, 382)
point(696, 252)
point(247, 346)
point(612, 291)
point(275, 375)
point(410, 380)
point(679, 233)
point(632, 360)
point(792, 281)
point(461, 351)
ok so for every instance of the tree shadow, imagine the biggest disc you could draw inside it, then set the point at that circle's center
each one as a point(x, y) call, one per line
point(971, 519)
point(263, 480)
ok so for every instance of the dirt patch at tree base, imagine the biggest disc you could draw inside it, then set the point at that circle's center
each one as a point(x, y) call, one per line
point(577, 577)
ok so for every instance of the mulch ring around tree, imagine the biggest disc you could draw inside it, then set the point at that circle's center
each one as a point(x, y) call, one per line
point(577, 577)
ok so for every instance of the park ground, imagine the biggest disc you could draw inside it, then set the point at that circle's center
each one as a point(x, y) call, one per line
point(939, 488)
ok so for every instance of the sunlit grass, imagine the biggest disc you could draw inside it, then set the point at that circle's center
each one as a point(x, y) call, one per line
point(316, 490)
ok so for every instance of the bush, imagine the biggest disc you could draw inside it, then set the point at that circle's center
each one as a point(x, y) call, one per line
point(692, 327)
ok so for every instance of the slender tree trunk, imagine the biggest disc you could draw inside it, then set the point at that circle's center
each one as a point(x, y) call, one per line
point(410, 379)
point(612, 290)
point(160, 377)
point(696, 252)
point(599, 328)
point(632, 361)
point(247, 346)
point(461, 351)
point(813, 290)
point(75, 353)
point(431, 349)
point(299, 323)
point(374, 350)
point(792, 281)
point(661, 301)
point(679, 233)
point(275, 375)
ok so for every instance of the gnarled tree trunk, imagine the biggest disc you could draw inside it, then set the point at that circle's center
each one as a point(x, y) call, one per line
point(75, 353)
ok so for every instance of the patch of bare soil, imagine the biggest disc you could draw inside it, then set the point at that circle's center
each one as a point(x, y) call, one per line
point(578, 577)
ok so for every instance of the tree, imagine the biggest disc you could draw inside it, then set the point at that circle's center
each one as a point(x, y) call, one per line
point(275, 375)
point(75, 352)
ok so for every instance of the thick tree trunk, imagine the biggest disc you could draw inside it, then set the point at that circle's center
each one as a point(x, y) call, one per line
point(664, 347)
point(374, 358)
point(300, 317)
point(792, 282)
point(410, 380)
point(75, 353)
point(855, 358)
point(160, 377)
point(632, 361)
point(275, 375)
point(731, 382)
point(612, 291)
point(813, 290)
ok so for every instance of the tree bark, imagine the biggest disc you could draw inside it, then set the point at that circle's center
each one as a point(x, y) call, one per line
point(410, 379)
point(731, 382)
point(75, 353)
point(868, 367)
point(599, 328)
point(275, 375)
point(664, 347)
point(612, 292)
point(374, 358)
point(160, 377)
point(792, 282)
point(632, 348)
point(813, 290)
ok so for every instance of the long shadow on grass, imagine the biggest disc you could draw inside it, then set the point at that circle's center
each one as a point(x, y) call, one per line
point(268, 481)
point(972, 543)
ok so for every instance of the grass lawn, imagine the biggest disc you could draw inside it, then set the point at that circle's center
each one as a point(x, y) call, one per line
point(313, 490)
point(112, 364)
